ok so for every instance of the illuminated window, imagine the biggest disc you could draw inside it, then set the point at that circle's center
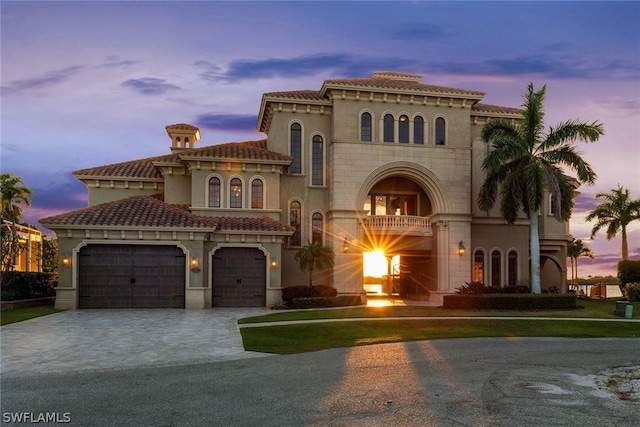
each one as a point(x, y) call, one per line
point(317, 161)
point(235, 192)
point(295, 215)
point(478, 266)
point(441, 131)
point(316, 227)
point(388, 128)
point(403, 130)
point(418, 130)
point(257, 190)
point(296, 148)
point(365, 127)
point(214, 192)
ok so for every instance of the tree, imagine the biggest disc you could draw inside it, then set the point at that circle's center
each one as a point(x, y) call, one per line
point(577, 249)
point(314, 255)
point(615, 214)
point(13, 195)
point(49, 255)
point(524, 161)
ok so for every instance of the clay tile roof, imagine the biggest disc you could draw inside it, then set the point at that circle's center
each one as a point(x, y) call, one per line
point(306, 95)
point(404, 82)
point(181, 126)
point(142, 168)
point(251, 224)
point(487, 108)
point(137, 211)
point(249, 150)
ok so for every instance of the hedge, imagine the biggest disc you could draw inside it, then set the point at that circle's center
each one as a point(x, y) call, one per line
point(19, 285)
point(632, 292)
point(326, 302)
point(628, 272)
point(522, 302)
point(292, 292)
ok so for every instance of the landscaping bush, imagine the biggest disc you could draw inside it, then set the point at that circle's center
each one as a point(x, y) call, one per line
point(479, 288)
point(628, 272)
point(326, 302)
point(17, 285)
point(292, 292)
point(631, 292)
point(325, 291)
point(520, 302)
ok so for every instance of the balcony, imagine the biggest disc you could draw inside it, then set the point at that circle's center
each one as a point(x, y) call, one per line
point(407, 225)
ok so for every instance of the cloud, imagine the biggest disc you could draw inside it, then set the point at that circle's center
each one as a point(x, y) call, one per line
point(585, 203)
point(113, 61)
point(227, 122)
point(43, 81)
point(149, 86)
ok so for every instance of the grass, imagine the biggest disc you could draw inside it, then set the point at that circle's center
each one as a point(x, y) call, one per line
point(299, 338)
point(19, 314)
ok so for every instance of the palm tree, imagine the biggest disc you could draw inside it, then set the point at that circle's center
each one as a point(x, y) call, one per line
point(577, 249)
point(13, 193)
point(314, 255)
point(615, 214)
point(524, 161)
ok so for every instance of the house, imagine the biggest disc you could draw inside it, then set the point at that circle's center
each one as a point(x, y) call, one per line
point(21, 247)
point(385, 164)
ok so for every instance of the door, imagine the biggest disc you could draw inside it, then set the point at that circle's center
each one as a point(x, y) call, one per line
point(239, 277)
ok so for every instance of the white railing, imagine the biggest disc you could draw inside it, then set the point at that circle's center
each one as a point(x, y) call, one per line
point(398, 224)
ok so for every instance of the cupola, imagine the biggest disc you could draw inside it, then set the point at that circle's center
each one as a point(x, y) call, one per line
point(183, 136)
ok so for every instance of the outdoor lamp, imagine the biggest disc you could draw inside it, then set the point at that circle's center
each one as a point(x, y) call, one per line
point(460, 248)
point(66, 260)
point(345, 246)
point(274, 262)
point(194, 263)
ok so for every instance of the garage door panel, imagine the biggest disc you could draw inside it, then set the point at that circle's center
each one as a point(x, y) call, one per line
point(239, 278)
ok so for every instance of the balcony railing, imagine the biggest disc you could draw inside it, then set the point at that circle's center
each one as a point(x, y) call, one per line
point(398, 224)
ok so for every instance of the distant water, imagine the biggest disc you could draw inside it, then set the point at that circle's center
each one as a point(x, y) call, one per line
point(613, 291)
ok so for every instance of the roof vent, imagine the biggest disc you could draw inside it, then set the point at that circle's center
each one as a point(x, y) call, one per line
point(393, 75)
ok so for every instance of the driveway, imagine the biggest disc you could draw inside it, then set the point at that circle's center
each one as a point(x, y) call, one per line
point(84, 340)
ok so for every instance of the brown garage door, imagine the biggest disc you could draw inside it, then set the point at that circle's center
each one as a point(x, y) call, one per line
point(131, 276)
point(239, 277)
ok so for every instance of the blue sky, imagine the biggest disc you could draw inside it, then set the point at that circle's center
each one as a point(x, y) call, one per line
point(92, 83)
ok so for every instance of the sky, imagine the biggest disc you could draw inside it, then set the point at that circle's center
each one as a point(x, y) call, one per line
point(90, 83)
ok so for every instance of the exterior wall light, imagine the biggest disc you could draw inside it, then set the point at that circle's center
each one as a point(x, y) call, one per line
point(274, 263)
point(66, 260)
point(345, 246)
point(194, 264)
point(460, 248)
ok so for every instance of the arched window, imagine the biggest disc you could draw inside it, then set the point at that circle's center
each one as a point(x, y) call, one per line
point(388, 128)
point(257, 192)
point(214, 192)
point(418, 130)
point(478, 266)
point(512, 268)
point(316, 227)
point(441, 131)
point(496, 267)
point(365, 127)
point(295, 212)
point(235, 193)
point(403, 129)
point(317, 161)
point(296, 148)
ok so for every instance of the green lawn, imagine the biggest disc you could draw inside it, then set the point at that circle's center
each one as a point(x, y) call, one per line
point(288, 339)
point(19, 314)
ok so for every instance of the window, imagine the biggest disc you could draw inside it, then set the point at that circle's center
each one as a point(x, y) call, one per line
point(214, 192)
point(392, 204)
point(296, 148)
point(495, 268)
point(257, 189)
point(440, 131)
point(478, 266)
point(235, 191)
point(365, 127)
point(388, 128)
point(512, 266)
point(317, 161)
point(552, 205)
point(418, 130)
point(295, 211)
point(316, 228)
point(403, 130)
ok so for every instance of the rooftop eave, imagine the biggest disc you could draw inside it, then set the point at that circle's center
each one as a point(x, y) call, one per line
point(235, 160)
point(473, 97)
point(116, 178)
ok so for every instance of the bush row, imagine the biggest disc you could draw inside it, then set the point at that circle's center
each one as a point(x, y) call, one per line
point(326, 302)
point(631, 292)
point(510, 302)
point(479, 288)
point(292, 292)
point(17, 285)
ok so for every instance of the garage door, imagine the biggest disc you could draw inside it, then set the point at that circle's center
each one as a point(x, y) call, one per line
point(239, 277)
point(131, 276)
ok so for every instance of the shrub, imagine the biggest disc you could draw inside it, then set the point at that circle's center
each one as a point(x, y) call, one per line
point(628, 272)
point(479, 288)
point(516, 289)
point(325, 291)
point(292, 292)
point(631, 292)
point(326, 302)
point(519, 302)
point(17, 285)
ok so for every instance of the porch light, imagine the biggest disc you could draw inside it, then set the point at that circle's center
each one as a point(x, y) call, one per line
point(194, 264)
point(460, 248)
point(345, 246)
point(274, 262)
point(66, 260)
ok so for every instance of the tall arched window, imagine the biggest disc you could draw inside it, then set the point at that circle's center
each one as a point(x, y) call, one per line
point(214, 192)
point(235, 193)
point(316, 227)
point(496, 267)
point(365, 127)
point(257, 192)
point(418, 130)
point(296, 148)
point(403, 129)
point(388, 128)
point(295, 215)
point(512, 268)
point(441, 131)
point(478, 266)
point(317, 161)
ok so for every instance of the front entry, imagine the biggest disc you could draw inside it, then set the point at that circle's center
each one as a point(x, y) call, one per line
point(239, 277)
